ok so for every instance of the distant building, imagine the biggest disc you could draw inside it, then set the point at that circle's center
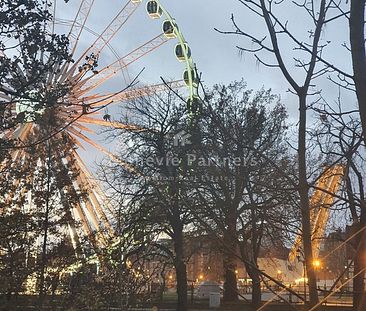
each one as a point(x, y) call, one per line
point(205, 261)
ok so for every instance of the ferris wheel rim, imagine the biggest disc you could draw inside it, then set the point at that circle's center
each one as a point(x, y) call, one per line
point(189, 63)
point(67, 22)
point(190, 66)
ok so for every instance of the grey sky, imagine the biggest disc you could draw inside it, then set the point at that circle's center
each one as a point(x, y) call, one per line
point(215, 54)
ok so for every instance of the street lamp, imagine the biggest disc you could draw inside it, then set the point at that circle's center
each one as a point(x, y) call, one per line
point(279, 275)
point(325, 278)
point(317, 264)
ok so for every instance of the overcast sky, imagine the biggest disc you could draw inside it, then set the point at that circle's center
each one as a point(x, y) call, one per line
point(215, 54)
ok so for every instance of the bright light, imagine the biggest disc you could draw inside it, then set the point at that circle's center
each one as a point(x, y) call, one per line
point(316, 263)
point(236, 271)
point(170, 277)
point(301, 280)
point(128, 263)
point(279, 271)
point(200, 277)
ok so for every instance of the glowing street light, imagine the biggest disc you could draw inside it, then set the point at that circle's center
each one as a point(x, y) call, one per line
point(316, 263)
point(279, 275)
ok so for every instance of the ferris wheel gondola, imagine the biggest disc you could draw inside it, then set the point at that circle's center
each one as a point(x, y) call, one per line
point(154, 9)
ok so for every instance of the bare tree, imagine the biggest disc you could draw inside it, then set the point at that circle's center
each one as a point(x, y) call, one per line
point(240, 193)
point(341, 141)
point(150, 175)
point(309, 49)
point(357, 44)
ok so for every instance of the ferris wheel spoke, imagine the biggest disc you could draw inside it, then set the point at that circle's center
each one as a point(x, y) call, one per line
point(6, 89)
point(100, 218)
point(10, 162)
point(75, 242)
point(79, 23)
point(77, 205)
point(91, 212)
point(149, 90)
point(92, 203)
point(83, 128)
point(121, 64)
point(321, 201)
point(125, 164)
point(84, 138)
point(5, 96)
point(21, 134)
point(109, 32)
point(76, 29)
point(16, 184)
point(52, 8)
point(91, 180)
point(20, 197)
point(84, 222)
point(137, 93)
point(114, 124)
point(69, 214)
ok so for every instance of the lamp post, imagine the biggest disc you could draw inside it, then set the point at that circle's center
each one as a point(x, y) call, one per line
point(279, 275)
point(317, 264)
point(325, 278)
point(192, 290)
point(298, 255)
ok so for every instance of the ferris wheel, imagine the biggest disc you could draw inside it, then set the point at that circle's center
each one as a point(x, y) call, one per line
point(84, 93)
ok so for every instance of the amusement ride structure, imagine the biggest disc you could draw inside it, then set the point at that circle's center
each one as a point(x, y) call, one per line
point(66, 119)
point(78, 108)
point(321, 201)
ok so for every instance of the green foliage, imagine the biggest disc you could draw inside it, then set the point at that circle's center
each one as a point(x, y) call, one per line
point(18, 233)
point(29, 52)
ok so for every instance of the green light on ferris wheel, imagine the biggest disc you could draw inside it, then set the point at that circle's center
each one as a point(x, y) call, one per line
point(182, 51)
point(30, 107)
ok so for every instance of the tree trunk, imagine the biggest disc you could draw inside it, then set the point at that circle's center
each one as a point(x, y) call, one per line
point(304, 202)
point(256, 286)
point(42, 291)
point(230, 284)
point(46, 224)
point(357, 41)
point(181, 271)
point(229, 262)
point(11, 275)
point(359, 295)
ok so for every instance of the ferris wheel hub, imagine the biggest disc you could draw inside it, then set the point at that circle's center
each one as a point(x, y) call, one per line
point(30, 107)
